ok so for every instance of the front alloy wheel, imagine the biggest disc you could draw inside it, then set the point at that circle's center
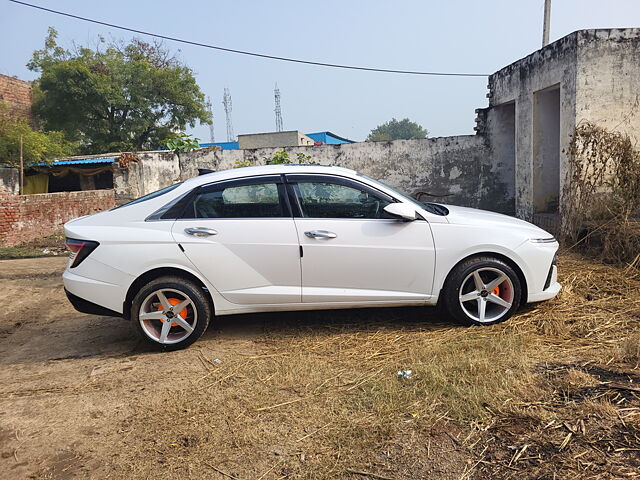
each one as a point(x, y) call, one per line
point(170, 312)
point(482, 291)
point(486, 295)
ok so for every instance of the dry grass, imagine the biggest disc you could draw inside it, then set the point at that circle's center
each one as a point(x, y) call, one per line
point(45, 247)
point(551, 392)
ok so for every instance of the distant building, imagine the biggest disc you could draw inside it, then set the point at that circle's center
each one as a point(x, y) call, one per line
point(291, 138)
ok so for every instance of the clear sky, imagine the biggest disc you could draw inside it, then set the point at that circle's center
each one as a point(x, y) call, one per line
point(452, 36)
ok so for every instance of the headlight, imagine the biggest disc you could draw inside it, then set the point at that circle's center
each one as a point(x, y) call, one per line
point(543, 240)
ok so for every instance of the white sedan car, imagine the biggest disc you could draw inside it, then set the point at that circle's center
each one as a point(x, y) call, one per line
point(288, 237)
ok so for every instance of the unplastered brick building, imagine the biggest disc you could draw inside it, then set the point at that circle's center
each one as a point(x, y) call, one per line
point(16, 94)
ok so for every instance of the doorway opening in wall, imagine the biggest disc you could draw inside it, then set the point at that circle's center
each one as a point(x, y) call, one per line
point(546, 153)
point(504, 146)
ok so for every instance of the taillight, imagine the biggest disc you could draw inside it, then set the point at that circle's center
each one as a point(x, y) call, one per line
point(80, 249)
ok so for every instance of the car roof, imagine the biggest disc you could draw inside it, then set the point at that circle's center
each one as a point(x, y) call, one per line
point(267, 170)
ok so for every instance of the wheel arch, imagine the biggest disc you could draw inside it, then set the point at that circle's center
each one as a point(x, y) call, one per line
point(154, 273)
point(500, 256)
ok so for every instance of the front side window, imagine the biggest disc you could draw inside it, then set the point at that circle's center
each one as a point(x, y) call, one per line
point(337, 200)
point(237, 201)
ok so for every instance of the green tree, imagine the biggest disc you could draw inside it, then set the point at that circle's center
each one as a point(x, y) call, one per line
point(37, 146)
point(279, 158)
point(283, 158)
point(115, 96)
point(181, 142)
point(397, 130)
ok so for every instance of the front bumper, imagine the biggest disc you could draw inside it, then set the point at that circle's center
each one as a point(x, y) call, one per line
point(551, 291)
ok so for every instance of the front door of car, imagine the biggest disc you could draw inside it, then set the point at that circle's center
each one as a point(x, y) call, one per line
point(353, 251)
point(241, 236)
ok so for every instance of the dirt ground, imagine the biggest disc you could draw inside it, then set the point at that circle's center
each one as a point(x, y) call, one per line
point(315, 395)
point(69, 381)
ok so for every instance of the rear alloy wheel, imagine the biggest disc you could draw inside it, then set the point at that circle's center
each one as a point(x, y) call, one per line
point(170, 312)
point(482, 291)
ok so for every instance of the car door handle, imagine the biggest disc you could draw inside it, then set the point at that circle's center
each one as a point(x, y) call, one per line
point(200, 231)
point(320, 234)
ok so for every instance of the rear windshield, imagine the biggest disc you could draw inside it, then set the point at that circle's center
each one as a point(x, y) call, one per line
point(149, 196)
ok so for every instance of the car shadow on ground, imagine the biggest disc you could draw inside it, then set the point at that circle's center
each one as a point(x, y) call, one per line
point(302, 323)
point(102, 337)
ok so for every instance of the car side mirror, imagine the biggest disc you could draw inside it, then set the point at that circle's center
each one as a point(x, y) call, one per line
point(403, 211)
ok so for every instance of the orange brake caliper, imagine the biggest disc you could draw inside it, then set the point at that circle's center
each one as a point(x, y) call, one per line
point(183, 313)
point(496, 291)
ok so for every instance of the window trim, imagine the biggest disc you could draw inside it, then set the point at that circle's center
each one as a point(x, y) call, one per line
point(292, 179)
point(233, 182)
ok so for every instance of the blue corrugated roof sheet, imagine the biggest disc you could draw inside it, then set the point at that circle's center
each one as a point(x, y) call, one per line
point(83, 161)
point(328, 138)
point(222, 145)
point(77, 161)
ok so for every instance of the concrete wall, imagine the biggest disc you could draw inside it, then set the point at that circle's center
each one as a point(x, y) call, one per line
point(291, 138)
point(9, 180)
point(607, 85)
point(24, 218)
point(457, 170)
point(154, 171)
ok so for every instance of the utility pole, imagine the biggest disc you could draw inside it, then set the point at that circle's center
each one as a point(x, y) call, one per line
point(547, 21)
point(21, 169)
point(278, 110)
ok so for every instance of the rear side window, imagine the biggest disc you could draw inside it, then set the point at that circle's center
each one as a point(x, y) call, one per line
point(234, 200)
point(149, 196)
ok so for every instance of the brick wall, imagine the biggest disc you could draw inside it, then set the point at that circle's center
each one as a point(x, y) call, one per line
point(24, 218)
point(17, 93)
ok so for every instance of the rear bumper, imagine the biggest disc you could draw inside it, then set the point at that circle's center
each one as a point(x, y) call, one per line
point(85, 306)
point(101, 294)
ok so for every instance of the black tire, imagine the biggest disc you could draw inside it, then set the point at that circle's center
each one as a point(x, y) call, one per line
point(470, 314)
point(181, 288)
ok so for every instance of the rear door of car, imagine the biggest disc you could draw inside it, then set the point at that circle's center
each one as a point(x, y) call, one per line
point(353, 252)
point(240, 235)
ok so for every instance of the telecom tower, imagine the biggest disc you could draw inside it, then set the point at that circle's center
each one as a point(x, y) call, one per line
point(226, 101)
point(276, 93)
point(212, 133)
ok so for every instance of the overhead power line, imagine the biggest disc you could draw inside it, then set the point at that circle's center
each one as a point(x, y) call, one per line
point(253, 54)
